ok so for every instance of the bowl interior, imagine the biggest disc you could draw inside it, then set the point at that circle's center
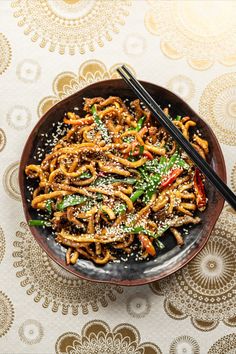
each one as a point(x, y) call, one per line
point(131, 272)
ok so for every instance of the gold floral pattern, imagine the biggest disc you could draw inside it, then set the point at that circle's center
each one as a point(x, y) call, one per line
point(233, 178)
point(67, 83)
point(134, 45)
point(2, 244)
point(184, 345)
point(51, 284)
point(5, 53)
point(138, 305)
point(183, 86)
point(18, 117)
point(3, 139)
point(97, 337)
point(10, 181)
point(28, 71)
point(6, 314)
point(68, 26)
point(199, 33)
point(31, 332)
point(224, 345)
point(205, 288)
point(218, 106)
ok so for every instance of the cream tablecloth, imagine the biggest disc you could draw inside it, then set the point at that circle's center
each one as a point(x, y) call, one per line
point(50, 49)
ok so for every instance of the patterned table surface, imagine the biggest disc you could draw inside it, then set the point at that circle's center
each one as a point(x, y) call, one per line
point(50, 49)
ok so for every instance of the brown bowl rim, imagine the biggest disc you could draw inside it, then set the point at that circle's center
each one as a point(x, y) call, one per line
point(137, 282)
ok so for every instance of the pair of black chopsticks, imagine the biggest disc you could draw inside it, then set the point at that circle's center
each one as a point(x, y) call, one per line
point(141, 93)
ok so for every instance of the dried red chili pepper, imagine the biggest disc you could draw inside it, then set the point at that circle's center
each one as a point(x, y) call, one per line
point(171, 177)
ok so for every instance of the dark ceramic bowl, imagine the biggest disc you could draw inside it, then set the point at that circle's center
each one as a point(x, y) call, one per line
point(172, 257)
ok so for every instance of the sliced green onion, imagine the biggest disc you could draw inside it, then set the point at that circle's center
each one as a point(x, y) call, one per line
point(128, 139)
point(100, 125)
point(120, 209)
point(141, 149)
point(143, 173)
point(125, 180)
point(151, 165)
point(154, 182)
point(160, 244)
point(171, 162)
point(48, 205)
point(181, 163)
point(178, 117)
point(132, 158)
point(70, 200)
point(138, 229)
point(99, 197)
point(39, 223)
point(136, 195)
point(162, 229)
point(109, 180)
point(85, 175)
point(140, 123)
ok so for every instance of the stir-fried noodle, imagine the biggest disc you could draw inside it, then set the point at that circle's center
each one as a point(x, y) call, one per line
point(117, 182)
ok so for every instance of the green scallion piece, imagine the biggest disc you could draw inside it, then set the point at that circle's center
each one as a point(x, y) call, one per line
point(100, 125)
point(109, 180)
point(70, 200)
point(48, 205)
point(140, 123)
point(162, 229)
point(39, 223)
point(136, 195)
point(125, 180)
point(120, 209)
point(171, 162)
point(181, 163)
point(143, 173)
point(138, 229)
point(178, 117)
point(141, 149)
point(160, 244)
point(85, 175)
point(99, 197)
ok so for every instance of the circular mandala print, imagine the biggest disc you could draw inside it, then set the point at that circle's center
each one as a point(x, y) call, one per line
point(6, 314)
point(225, 345)
point(19, 117)
point(28, 71)
point(97, 337)
point(195, 30)
point(138, 305)
point(10, 181)
point(5, 53)
point(65, 25)
point(233, 178)
point(184, 345)
point(3, 139)
point(218, 106)
point(134, 45)
point(31, 332)
point(52, 285)
point(205, 288)
point(183, 86)
point(2, 244)
point(67, 83)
